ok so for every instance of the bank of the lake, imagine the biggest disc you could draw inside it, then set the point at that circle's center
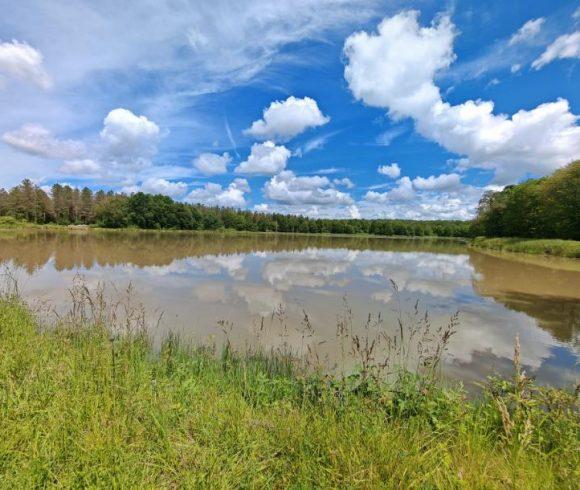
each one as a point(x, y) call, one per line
point(555, 247)
point(11, 224)
point(83, 408)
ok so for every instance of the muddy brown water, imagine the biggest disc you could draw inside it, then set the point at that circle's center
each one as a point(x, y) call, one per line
point(197, 279)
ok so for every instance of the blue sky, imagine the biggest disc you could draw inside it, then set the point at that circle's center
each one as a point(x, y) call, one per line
point(326, 108)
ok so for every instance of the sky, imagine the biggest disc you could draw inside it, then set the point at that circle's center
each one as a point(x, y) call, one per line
point(326, 108)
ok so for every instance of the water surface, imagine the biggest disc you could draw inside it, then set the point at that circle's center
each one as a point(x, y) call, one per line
point(198, 279)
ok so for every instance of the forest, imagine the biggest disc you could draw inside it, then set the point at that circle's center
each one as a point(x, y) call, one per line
point(66, 205)
point(538, 208)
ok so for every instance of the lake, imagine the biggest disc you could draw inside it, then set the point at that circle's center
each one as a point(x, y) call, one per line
point(199, 279)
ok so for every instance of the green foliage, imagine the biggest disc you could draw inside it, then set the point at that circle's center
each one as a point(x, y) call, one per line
point(538, 208)
point(82, 408)
point(11, 222)
point(67, 206)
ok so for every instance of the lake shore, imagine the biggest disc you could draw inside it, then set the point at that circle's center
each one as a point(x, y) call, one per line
point(20, 225)
point(83, 407)
point(546, 247)
point(552, 247)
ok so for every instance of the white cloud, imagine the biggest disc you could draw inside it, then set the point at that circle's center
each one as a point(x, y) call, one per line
point(261, 208)
point(456, 203)
point(212, 164)
point(403, 192)
point(84, 166)
point(329, 170)
point(395, 69)
point(354, 212)
point(388, 136)
point(129, 140)
point(527, 32)
point(36, 140)
point(165, 187)
point(515, 68)
point(444, 182)
point(213, 194)
point(344, 182)
point(21, 61)
point(566, 46)
point(392, 171)
point(287, 188)
point(283, 121)
point(316, 143)
point(265, 158)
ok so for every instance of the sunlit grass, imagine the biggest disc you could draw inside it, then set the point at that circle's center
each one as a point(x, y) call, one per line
point(82, 406)
point(561, 248)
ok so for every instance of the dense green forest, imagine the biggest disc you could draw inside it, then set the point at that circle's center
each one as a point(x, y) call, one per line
point(538, 208)
point(66, 205)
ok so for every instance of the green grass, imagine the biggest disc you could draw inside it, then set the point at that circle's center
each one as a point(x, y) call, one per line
point(80, 408)
point(555, 247)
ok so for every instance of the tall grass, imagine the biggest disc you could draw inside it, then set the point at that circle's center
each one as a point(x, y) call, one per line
point(555, 247)
point(87, 401)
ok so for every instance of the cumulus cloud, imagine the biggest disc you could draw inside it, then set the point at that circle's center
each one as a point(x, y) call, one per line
point(265, 158)
point(84, 166)
point(261, 208)
point(165, 187)
point(354, 212)
point(404, 191)
point(213, 194)
point(36, 140)
point(443, 182)
point(129, 140)
point(566, 46)
point(344, 182)
point(527, 32)
point(283, 120)
point(457, 203)
point(392, 171)
point(212, 164)
point(287, 188)
point(395, 69)
point(21, 61)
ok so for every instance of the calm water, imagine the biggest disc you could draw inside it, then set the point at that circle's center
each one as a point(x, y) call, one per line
point(199, 279)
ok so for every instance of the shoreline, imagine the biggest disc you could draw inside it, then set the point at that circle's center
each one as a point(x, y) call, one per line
point(569, 249)
point(224, 231)
point(552, 247)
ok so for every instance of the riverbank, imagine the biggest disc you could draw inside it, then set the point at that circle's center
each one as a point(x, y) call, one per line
point(83, 407)
point(554, 247)
point(10, 224)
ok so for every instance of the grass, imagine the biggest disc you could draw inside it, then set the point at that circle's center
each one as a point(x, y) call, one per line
point(555, 247)
point(87, 401)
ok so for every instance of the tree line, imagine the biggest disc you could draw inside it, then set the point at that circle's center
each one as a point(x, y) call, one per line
point(67, 205)
point(538, 208)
